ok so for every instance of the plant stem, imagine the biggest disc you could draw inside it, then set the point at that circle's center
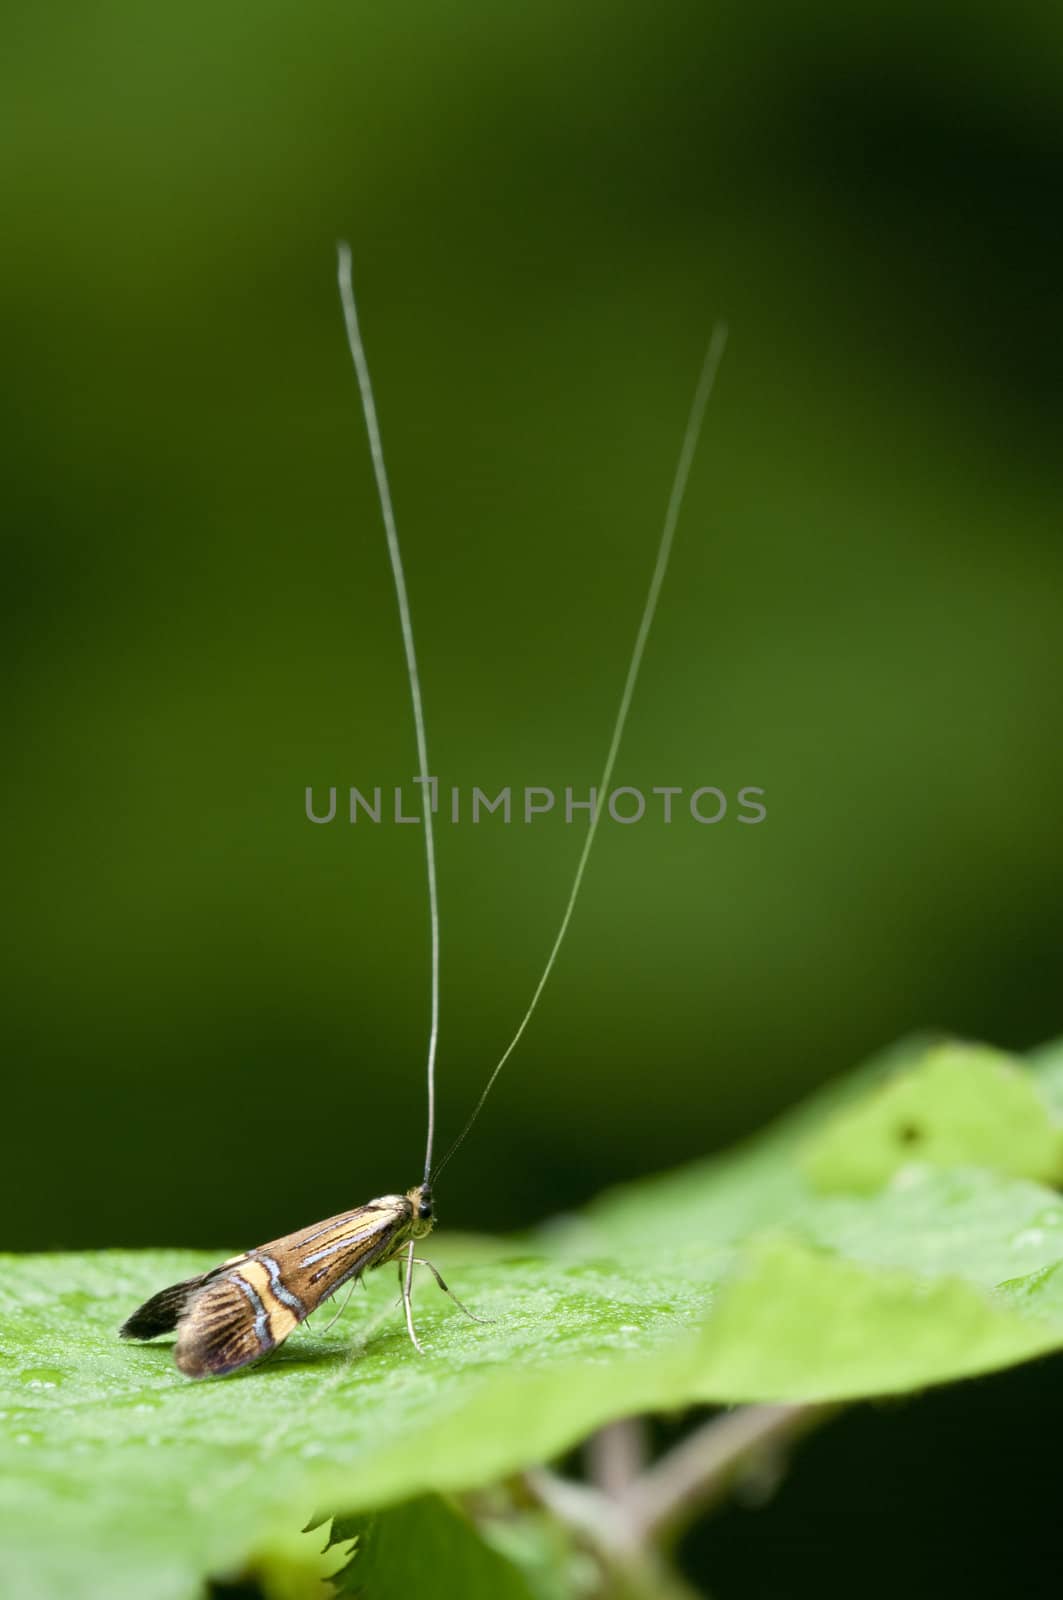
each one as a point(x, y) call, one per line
point(700, 1471)
point(628, 1511)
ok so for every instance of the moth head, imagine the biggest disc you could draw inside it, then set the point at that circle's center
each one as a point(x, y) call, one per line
point(420, 1199)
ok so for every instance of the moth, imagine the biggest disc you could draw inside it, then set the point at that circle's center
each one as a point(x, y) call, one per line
point(248, 1305)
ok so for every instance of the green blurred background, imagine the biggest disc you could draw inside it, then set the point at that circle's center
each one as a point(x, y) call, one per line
point(216, 1013)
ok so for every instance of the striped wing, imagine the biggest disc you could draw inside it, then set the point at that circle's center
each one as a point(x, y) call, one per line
point(313, 1263)
point(250, 1304)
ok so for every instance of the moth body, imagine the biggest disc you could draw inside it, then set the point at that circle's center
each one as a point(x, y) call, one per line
point(249, 1304)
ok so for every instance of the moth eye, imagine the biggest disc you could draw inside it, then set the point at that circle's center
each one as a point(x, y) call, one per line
point(424, 1210)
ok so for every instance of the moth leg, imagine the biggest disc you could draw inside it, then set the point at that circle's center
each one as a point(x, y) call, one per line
point(337, 1314)
point(437, 1275)
point(407, 1300)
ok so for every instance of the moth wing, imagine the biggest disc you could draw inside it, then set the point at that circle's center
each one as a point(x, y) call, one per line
point(223, 1328)
point(162, 1312)
point(319, 1260)
point(376, 1217)
point(249, 1304)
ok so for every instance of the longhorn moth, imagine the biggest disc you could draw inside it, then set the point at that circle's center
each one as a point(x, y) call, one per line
point(249, 1304)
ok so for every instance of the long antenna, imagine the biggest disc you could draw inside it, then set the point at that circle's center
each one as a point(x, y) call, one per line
point(372, 426)
point(702, 393)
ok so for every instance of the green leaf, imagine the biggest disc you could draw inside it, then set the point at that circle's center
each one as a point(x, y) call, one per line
point(512, 1551)
point(799, 1325)
point(395, 1551)
point(963, 1104)
point(1047, 1065)
point(740, 1278)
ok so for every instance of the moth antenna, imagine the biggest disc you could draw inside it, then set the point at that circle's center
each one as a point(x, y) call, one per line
point(702, 393)
point(372, 426)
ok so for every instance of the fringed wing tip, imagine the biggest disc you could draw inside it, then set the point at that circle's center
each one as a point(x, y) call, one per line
point(160, 1314)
